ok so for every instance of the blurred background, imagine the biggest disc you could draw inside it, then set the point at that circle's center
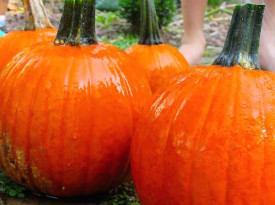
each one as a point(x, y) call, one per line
point(118, 21)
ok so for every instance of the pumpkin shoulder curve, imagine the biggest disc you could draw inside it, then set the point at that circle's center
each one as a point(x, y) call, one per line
point(15, 41)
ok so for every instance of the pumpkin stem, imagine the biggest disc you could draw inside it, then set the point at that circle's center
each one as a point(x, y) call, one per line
point(35, 15)
point(243, 38)
point(77, 25)
point(149, 32)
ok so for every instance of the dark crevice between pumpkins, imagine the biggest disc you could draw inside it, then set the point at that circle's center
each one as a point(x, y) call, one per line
point(35, 15)
point(77, 25)
point(149, 31)
point(242, 42)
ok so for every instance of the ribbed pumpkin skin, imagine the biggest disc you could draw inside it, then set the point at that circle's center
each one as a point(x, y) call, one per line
point(14, 42)
point(67, 116)
point(209, 138)
point(160, 63)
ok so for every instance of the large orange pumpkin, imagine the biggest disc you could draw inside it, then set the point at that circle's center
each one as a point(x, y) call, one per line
point(209, 138)
point(67, 111)
point(37, 29)
point(160, 62)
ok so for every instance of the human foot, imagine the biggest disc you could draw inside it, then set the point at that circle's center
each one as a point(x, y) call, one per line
point(193, 50)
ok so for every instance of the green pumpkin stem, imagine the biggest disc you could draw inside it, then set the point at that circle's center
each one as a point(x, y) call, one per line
point(77, 25)
point(149, 32)
point(35, 15)
point(243, 38)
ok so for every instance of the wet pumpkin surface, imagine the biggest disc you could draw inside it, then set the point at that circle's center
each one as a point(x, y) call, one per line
point(215, 29)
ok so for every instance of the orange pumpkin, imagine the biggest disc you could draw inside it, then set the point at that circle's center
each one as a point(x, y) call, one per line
point(67, 111)
point(209, 137)
point(160, 62)
point(37, 29)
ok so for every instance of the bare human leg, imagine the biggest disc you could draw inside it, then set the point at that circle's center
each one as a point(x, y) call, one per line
point(267, 43)
point(3, 8)
point(193, 43)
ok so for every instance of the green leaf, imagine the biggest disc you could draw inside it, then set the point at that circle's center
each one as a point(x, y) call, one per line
point(21, 195)
point(2, 189)
point(10, 188)
point(12, 193)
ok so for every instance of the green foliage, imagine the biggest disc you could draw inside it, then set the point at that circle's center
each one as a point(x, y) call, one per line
point(10, 188)
point(122, 41)
point(107, 5)
point(130, 10)
point(124, 195)
point(214, 3)
point(106, 19)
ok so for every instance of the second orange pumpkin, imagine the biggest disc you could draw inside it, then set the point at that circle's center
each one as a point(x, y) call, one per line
point(37, 29)
point(160, 62)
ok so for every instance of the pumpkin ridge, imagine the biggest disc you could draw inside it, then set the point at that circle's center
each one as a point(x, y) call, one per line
point(16, 156)
point(224, 85)
point(202, 118)
point(165, 160)
point(4, 114)
point(236, 76)
point(88, 145)
point(265, 147)
point(47, 122)
point(63, 123)
point(46, 144)
point(262, 123)
point(267, 133)
point(169, 135)
point(234, 122)
point(32, 172)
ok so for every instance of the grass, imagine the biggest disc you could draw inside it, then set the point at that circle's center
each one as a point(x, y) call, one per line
point(123, 41)
point(106, 19)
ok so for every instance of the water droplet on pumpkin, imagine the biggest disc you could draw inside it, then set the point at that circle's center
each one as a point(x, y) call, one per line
point(75, 137)
point(264, 135)
point(202, 148)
